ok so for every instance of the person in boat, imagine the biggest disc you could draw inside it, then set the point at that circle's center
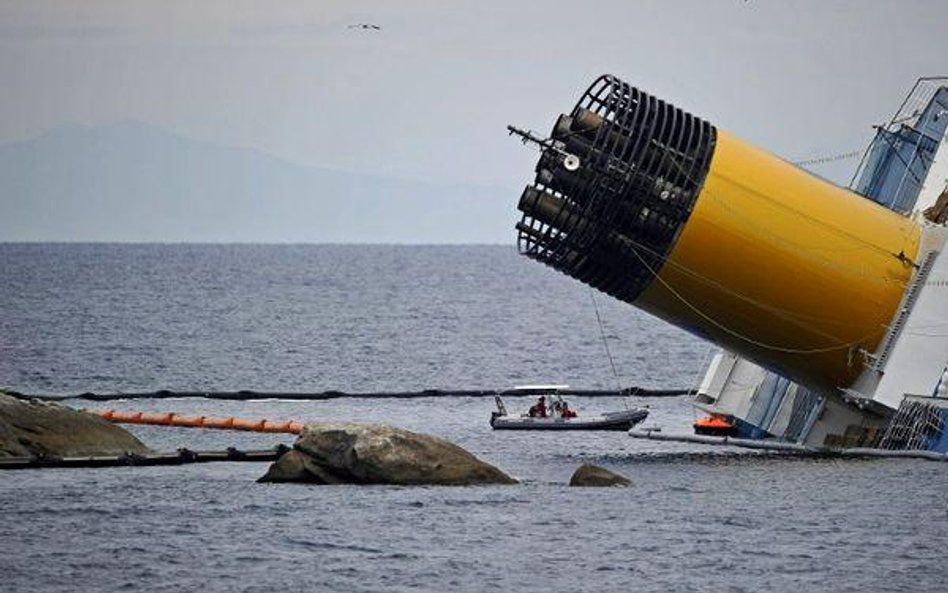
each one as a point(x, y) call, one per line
point(538, 410)
point(566, 411)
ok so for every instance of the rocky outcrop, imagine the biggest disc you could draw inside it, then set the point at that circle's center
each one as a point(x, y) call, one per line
point(30, 428)
point(591, 475)
point(296, 466)
point(348, 453)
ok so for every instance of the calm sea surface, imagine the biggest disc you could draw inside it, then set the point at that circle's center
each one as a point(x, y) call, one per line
point(109, 318)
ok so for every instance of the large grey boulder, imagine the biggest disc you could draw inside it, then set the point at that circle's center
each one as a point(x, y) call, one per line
point(592, 475)
point(30, 428)
point(350, 453)
point(296, 466)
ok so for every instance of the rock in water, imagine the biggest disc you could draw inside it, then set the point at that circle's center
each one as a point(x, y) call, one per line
point(33, 428)
point(350, 453)
point(591, 475)
point(296, 466)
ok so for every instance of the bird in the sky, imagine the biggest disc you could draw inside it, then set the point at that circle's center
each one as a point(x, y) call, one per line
point(368, 26)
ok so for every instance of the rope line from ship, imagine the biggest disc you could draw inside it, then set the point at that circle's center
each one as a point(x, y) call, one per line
point(787, 314)
point(772, 347)
point(828, 158)
point(795, 211)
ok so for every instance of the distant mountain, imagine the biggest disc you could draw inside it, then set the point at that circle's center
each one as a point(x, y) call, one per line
point(135, 182)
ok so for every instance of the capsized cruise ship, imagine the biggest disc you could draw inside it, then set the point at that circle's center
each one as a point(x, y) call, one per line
point(829, 304)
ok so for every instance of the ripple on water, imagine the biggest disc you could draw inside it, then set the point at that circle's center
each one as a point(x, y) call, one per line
point(305, 318)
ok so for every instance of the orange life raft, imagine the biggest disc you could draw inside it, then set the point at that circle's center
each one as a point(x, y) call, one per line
point(714, 425)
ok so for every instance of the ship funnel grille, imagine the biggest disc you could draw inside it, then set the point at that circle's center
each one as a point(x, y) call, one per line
point(616, 182)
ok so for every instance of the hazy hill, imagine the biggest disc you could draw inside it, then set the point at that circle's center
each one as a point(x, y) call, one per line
point(134, 182)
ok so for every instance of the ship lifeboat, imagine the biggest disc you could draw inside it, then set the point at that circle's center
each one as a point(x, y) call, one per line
point(714, 425)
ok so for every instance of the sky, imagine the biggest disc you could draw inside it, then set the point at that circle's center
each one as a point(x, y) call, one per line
point(428, 96)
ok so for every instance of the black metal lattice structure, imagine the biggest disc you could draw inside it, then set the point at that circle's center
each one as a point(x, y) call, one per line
point(615, 184)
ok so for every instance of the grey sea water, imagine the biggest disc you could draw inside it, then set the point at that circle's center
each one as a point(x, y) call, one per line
point(354, 318)
point(107, 318)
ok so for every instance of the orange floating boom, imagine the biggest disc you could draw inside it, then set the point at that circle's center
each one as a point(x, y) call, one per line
point(172, 419)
